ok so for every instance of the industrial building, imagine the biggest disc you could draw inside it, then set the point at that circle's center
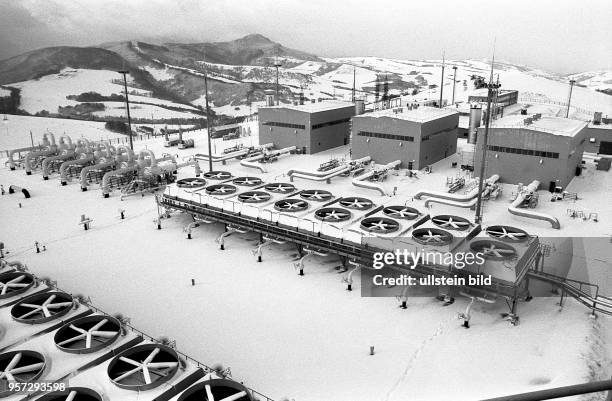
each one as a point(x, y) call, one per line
point(599, 135)
point(522, 149)
point(311, 127)
point(418, 137)
point(505, 97)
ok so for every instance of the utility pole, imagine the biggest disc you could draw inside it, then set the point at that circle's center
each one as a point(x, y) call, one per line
point(277, 64)
point(491, 92)
point(442, 81)
point(454, 82)
point(569, 100)
point(127, 106)
point(354, 72)
point(208, 120)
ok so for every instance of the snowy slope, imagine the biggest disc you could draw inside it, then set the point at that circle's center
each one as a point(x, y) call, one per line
point(601, 79)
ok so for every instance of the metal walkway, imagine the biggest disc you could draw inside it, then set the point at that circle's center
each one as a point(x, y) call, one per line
point(584, 292)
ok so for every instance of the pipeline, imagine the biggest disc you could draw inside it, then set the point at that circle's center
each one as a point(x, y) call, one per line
point(63, 170)
point(50, 151)
point(299, 265)
point(266, 242)
point(530, 190)
point(46, 164)
point(230, 230)
point(101, 165)
point(302, 173)
point(471, 204)
point(358, 181)
point(106, 179)
point(329, 174)
point(251, 161)
point(232, 155)
point(457, 198)
point(12, 161)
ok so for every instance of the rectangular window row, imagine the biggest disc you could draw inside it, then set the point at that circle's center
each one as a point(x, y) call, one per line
point(321, 125)
point(386, 136)
point(284, 125)
point(528, 152)
point(426, 137)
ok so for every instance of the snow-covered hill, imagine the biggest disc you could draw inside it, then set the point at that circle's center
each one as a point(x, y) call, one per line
point(171, 77)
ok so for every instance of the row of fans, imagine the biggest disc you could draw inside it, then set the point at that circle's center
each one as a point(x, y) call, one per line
point(140, 368)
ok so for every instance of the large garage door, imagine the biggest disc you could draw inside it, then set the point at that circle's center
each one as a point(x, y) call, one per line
point(605, 148)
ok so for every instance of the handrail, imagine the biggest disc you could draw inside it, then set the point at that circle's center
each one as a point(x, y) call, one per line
point(595, 303)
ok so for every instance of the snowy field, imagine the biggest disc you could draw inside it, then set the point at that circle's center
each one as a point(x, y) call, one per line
point(49, 93)
point(305, 338)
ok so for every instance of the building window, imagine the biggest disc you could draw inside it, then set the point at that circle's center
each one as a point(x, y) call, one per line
point(386, 136)
point(328, 124)
point(444, 131)
point(283, 125)
point(528, 152)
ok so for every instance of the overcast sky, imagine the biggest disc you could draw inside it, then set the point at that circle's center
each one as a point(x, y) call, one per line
point(560, 35)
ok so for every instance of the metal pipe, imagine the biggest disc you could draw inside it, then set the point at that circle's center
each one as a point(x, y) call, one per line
point(530, 190)
point(107, 177)
point(250, 162)
point(63, 170)
point(228, 156)
point(12, 161)
point(457, 198)
point(358, 181)
point(69, 154)
point(292, 171)
point(85, 171)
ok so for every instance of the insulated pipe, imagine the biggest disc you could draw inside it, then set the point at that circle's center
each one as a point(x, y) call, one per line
point(232, 155)
point(359, 181)
point(530, 190)
point(32, 155)
point(46, 164)
point(250, 162)
point(324, 173)
point(46, 138)
point(458, 198)
point(142, 156)
point(103, 164)
point(299, 265)
point(11, 161)
point(121, 149)
point(334, 172)
point(63, 170)
point(66, 142)
point(106, 178)
point(471, 204)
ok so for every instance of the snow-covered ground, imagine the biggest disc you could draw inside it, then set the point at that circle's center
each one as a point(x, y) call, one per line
point(49, 92)
point(305, 337)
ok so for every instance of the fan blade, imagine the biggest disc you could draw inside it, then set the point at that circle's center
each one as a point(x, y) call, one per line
point(127, 374)
point(151, 355)
point(146, 374)
point(28, 368)
point(209, 394)
point(16, 279)
point(71, 396)
point(161, 365)
point(24, 316)
point(71, 340)
point(235, 397)
point(129, 361)
point(104, 334)
point(59, 305)
point(46, 311)
point(88, 340)
point(98, 325)
point(14, 361)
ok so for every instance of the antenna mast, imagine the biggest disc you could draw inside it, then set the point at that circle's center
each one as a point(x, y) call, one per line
point(491, 92)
